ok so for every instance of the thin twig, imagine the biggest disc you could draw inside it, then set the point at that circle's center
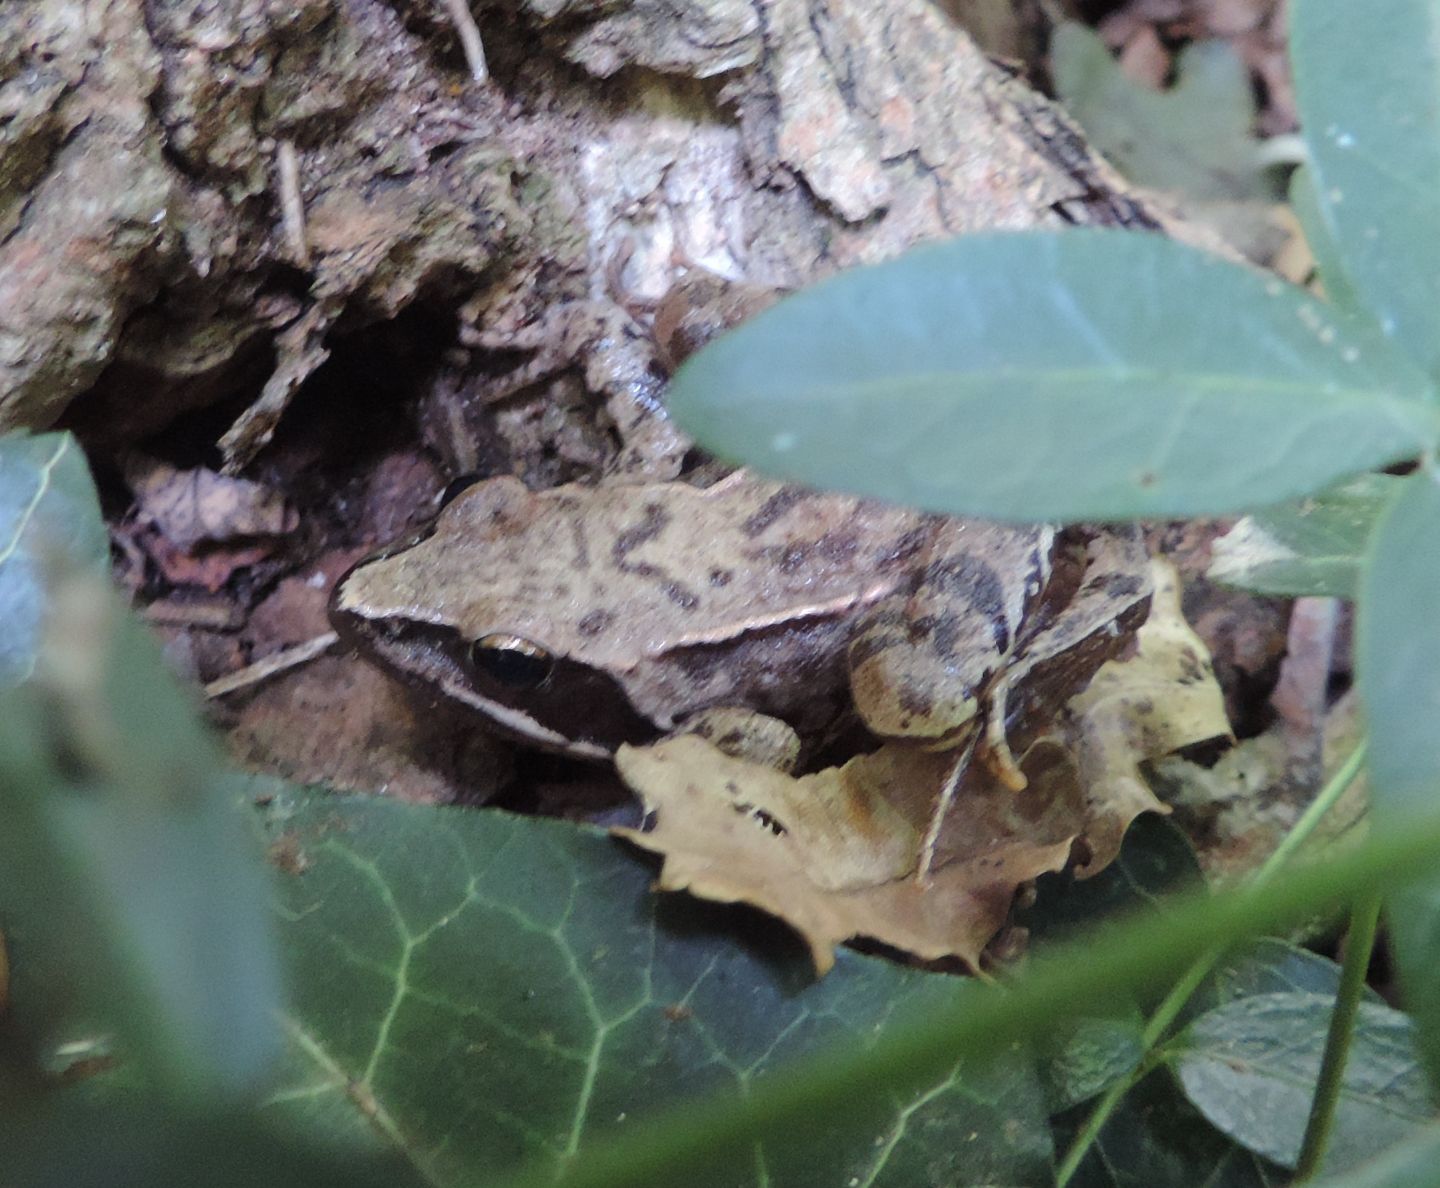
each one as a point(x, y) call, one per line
point(942, 810)
point(292, 205)
point(1166, 1013)
point(469, 33)
point(252, 674)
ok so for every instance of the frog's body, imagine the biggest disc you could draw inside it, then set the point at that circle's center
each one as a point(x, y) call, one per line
point(583, 617)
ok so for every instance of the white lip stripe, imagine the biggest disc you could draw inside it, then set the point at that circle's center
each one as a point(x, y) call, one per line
point(523, 724)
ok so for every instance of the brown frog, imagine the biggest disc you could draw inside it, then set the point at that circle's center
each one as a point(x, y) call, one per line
point(581, 617)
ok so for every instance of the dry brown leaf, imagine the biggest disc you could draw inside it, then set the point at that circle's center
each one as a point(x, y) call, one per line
point(834, 853)
point(208, 568)
point(1293, 259)
point(1246, 803)
point(1163, 698)
point(189, 507)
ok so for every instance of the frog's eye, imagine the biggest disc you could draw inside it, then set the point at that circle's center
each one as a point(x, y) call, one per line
point(511, 661)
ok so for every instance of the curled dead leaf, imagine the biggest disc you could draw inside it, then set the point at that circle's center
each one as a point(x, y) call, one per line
point(1163, 698)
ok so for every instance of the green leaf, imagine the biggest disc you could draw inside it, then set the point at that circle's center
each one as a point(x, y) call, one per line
point(1081, 375)
point(1305, 203)
point(1197, 138)
point(49, 516)
point(1250, 1067)
point(1084, 1058)
point(1087, 1058)
point(131, 886)
point(1156, 859)
point(493, 989)
point(1313, 546)
point(1367, 85)
point(1406, 1165)
point(1156, 1139)
point(1063, 982)
point(70, 1140)
point(1398, 660)
point(1268, 966)
point(1397, 665)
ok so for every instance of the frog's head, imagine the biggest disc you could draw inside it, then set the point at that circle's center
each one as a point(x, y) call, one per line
point(457, 610)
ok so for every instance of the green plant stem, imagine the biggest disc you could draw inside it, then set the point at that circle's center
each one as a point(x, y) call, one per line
point(1358, 945)
point(1174, 1001)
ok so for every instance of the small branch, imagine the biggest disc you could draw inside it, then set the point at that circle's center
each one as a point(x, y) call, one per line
point(1300, 694)
point(1359, 942)
point(252, 674)
point(941, 810)
point(469, 33)
point(292, 205)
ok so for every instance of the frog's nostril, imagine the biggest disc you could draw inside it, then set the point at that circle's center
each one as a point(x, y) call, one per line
point(512, 661)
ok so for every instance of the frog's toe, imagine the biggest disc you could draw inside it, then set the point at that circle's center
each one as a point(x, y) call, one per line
point(745, 734)
point(999, 760)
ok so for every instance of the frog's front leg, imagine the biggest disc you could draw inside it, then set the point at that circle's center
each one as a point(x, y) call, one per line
point(928, 666)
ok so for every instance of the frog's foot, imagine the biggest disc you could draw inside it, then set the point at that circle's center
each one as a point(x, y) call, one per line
point(744, 734)
point(995, 750)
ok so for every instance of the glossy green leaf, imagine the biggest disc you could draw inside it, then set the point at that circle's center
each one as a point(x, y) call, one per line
point(1398, 669)
point(132, 888)
point(1319, 238)
point(1156, 1139)
point(504, 990)
point(1250, 1067)
point(1085, 1058)
point(1367, 85)
point(1312, 546)
point(1156, 859)
point(1061, 983)
point(1268, 966)
point(70, 1140)
point(1080, 375)
point(49, 516)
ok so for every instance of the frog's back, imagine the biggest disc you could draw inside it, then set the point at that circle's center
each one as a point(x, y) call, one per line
point(609, 575)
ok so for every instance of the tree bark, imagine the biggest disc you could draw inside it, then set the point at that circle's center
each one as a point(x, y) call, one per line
point(198, 199)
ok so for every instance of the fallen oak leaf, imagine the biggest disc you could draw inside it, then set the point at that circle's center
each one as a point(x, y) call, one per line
point(199, 527)
point(834, 854)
